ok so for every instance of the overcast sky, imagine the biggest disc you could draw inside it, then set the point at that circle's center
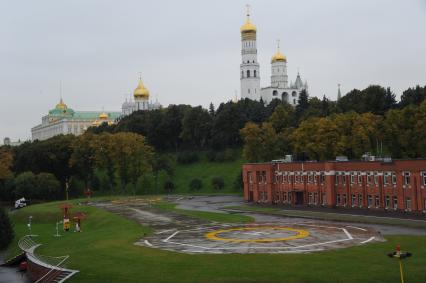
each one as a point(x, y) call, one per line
point(189, 51)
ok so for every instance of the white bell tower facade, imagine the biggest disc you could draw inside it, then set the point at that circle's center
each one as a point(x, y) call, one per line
point(249, 68)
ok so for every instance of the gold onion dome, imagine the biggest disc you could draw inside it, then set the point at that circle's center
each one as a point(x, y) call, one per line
point(278, 56)
point(103, 116)
point(141, 91)
point(61, 105)
point(248, 27)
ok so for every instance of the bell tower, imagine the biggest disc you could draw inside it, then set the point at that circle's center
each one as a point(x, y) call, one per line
point(249, 67)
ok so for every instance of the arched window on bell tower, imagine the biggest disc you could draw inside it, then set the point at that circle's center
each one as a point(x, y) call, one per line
point(254, 73)
point(248, 73)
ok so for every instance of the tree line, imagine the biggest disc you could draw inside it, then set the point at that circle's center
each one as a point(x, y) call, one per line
point(129, 156)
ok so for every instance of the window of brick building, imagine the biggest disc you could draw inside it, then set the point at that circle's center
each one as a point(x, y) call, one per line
point(352, 177)
point(407, 177)
point(376, 178)
point(393, 178)
point(353, 200)
point(377, 201)
point(408, 204)
point(345, 201)
point(315, 198)
point(370, 201)
point(324, 199)
point(359, 178)
point(322, 174)
point(395, 203)
point(424, 178)
point(336, 178)
point(338, 199)
point(386, 178)
point(369, 178)
point(387, 201)
point(360, 200)
point(310, 177)
point(344, 178)
point(310, 198)
point(289, 197)
point(250, 177)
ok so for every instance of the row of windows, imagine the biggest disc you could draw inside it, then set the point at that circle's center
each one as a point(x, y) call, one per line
point(248, 74)
point(340, 177)
point(373, 201)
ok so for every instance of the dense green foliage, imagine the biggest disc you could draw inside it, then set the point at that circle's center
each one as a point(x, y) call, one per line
point(6, 229)
point(103, 253)
point(120, 158)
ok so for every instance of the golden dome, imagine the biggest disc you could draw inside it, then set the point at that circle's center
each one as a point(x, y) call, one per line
point(248, 27)
point(61, 105)
point(278, 56)
point(141, 91)
point(103, 116)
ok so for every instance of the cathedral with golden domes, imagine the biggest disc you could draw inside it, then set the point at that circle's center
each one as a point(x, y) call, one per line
point(140, 101)
point(280, 88)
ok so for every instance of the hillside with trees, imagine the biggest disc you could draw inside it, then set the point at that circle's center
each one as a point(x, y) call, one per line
point(182, 148)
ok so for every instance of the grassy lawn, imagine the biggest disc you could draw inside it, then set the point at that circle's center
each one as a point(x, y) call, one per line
point(104, 252)
point(205, 171)
point(331, 216)
point(205, 215)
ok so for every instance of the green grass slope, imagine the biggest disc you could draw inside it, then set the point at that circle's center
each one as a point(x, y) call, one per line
point(205, 171)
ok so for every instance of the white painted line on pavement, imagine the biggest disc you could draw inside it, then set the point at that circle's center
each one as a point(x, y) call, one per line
point(171, 236)
point(362, 229)
point(347, 234)
point(368, 240)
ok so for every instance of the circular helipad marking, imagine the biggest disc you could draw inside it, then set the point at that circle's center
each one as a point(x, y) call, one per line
point(214, 235)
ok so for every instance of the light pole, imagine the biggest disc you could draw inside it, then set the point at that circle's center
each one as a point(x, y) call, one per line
point(29, 223)
point(57, 229)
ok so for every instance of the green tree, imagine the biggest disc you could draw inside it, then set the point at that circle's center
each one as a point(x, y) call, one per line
point(132, 157)
point(83, 159)
point(317, 138)
point(6, 229)
point(196, 127)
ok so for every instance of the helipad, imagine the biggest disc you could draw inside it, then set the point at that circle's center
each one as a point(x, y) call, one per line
point(260, 238)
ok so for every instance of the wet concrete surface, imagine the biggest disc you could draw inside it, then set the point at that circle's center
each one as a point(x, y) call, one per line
point(268, 234)
point(217, 204)
point(12, 275)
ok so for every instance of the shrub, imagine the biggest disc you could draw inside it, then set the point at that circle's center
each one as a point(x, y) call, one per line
point(187, 157)
point(43, 186)
point(196, 184)
point(218, 183)
point(6, 229)
point(169, 186)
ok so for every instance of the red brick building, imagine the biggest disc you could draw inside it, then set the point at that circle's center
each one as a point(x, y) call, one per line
point(395, 185)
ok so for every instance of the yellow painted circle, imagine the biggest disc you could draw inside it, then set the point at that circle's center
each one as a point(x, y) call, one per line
point(299, 234)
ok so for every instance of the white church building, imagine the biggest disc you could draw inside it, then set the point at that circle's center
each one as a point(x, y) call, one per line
point(250, 74)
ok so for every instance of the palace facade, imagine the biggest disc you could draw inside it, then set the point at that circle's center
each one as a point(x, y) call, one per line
point(398, 185)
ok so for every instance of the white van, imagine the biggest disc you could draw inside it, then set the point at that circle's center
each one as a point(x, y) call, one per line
point(20, 203)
